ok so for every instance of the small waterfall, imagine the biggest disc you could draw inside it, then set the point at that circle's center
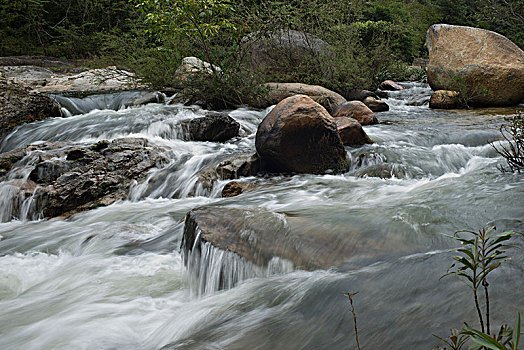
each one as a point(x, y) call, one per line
point(211, 269)
point(82, 105)
point(18, 203)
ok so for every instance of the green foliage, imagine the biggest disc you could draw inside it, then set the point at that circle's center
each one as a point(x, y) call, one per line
point(513, 133)
point(455, 341)
point(507, 339)
point(481, 253)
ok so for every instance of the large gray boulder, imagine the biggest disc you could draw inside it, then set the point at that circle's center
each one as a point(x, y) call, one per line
point(299, 136)
point(284, 49)
point(19, 105)
point(485, 67)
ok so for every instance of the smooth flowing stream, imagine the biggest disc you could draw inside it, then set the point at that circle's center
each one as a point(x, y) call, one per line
point(114, 277)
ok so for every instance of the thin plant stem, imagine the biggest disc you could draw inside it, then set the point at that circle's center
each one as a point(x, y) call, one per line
point(478, 309)
point(350, 297)
point(485, 284)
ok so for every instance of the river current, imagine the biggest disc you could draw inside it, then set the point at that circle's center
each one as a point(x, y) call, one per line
point(114, 277)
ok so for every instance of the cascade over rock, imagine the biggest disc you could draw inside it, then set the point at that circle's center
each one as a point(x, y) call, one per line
point(259, 236)
point(300, 136)
point(66, 179)
point(486, 67)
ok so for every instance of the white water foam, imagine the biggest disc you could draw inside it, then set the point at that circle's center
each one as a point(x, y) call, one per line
point(211, 269)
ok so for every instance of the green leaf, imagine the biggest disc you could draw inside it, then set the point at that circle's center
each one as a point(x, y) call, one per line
point(516, 332)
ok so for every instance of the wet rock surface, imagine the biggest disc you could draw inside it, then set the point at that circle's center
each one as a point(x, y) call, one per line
point(19, 105)
point(299, 136)
point(351, 132)
point(67, 179)
point(229, 169)
point(390, 85)
point(213, 127)
point(258, 236)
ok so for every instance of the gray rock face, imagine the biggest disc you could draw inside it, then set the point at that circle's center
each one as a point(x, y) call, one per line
point(213, 127)
point(18, 105)
point(72, 179)
point(282, 48)
point(359, 95)
point(299, 136)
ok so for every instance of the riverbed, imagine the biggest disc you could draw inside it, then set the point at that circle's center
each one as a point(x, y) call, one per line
point(114, 277)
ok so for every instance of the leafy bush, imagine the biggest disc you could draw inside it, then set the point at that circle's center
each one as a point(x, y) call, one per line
point(513, 133)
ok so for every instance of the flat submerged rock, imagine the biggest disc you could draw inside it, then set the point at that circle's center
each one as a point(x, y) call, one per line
point(258, 235)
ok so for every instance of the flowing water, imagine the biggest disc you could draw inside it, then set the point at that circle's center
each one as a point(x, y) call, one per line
point(114, 277)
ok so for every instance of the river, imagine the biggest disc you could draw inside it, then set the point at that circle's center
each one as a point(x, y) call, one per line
point(114, 277)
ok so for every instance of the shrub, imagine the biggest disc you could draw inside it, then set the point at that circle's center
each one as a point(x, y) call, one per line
point(513, 151)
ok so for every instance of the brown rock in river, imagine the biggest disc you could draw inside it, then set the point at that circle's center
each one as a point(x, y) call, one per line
point(445, 99)
point(351, 132)
point(484, 64)
point(356, 110)
point(300, 136)
point(376, 105)
point(330, 100)
point(390, 85)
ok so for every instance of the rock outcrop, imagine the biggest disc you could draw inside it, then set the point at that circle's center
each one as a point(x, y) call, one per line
point(192, 66)
point(356, 110)
point(66, 179)
point(351, 132)
point(213, 127)
point(330, 100)
point(486, 67)
point(299, 136)
point(19, 105)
